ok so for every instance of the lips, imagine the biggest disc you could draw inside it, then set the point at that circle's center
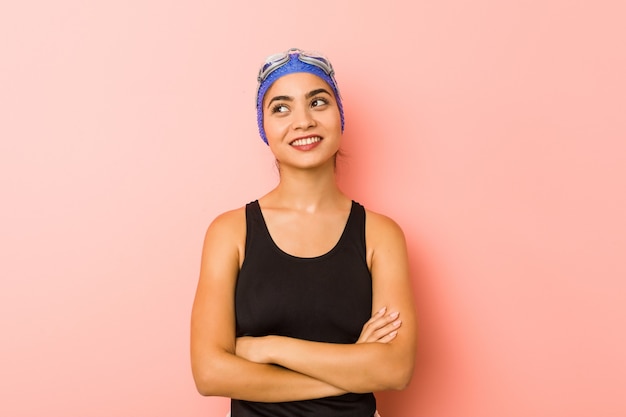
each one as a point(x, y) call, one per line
point(306, 141)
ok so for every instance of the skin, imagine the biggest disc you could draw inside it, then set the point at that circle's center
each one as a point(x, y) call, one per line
point(305, 214)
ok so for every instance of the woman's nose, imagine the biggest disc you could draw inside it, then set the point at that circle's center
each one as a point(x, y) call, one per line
point(303, 119)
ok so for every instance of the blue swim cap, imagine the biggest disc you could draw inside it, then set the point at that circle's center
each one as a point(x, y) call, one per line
point(293, 65)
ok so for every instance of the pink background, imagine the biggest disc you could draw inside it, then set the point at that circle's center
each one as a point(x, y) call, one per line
point(493, 132)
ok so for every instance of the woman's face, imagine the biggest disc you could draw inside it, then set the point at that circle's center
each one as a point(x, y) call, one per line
point(301, 120)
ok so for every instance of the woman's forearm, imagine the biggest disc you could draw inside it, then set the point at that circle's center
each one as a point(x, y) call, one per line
point(230, 376)
point(363, 367)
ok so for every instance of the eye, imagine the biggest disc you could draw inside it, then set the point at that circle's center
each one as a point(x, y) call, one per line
point(280, 108)
point(318, 101)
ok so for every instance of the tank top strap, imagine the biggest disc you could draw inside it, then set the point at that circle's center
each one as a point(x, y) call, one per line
point(255, 225)
point(355, 229)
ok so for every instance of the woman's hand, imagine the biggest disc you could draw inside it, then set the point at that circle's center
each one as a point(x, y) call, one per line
point(381, 328)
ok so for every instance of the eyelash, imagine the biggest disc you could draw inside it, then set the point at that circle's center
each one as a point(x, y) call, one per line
point(276, 108)
point(323, 100)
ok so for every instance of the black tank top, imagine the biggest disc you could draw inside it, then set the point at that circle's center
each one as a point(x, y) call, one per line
point(326, 298)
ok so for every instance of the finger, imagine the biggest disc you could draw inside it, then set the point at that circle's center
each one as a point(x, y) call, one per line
point(389, 337)
point(380, 334)
point(380, 313)
point(386, 330)
point(380, 322)
point(378, 326)
point(374, 323)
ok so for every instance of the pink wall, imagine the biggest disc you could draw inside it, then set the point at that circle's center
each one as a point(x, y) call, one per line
point(493, 132)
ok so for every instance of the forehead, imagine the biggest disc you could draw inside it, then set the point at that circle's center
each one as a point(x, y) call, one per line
point(296, 84)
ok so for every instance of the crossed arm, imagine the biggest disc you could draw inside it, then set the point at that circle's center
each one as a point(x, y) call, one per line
point(275, 368)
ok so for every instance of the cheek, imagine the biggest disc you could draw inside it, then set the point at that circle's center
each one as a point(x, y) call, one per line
point(267, 124)
point(273, 126)
point(334, 120)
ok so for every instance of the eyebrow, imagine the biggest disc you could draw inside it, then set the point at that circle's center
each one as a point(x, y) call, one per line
point(307, 95)
point(316, 92)
point(279, 98)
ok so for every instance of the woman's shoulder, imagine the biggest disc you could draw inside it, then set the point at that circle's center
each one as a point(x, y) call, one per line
point(380, 228)
point(228, 225)
point(231, 216)
point(225, 237)
point(385, 241)
point(381, 222)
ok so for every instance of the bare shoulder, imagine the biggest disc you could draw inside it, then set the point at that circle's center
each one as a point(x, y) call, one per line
point(380, 229)
point(226, 235)
point(228, 223)
point(384, 238)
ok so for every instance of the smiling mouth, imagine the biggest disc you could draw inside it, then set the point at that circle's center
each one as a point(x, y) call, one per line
point(306, 141)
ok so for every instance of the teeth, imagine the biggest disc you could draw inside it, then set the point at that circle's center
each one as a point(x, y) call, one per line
point(305, 141)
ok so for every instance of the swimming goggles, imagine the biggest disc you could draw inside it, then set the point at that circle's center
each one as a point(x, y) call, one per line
point(276, 61)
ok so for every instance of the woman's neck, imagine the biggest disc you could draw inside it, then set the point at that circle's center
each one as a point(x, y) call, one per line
point(306, 190)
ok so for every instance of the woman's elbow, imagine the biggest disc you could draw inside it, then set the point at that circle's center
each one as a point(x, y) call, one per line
point(205, 384)
point(208, 368)
point(208, 379)
point(399, 377)
point(402, 380)
point(204, 391)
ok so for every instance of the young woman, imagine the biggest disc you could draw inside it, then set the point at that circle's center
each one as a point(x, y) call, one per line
point(304, 304)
